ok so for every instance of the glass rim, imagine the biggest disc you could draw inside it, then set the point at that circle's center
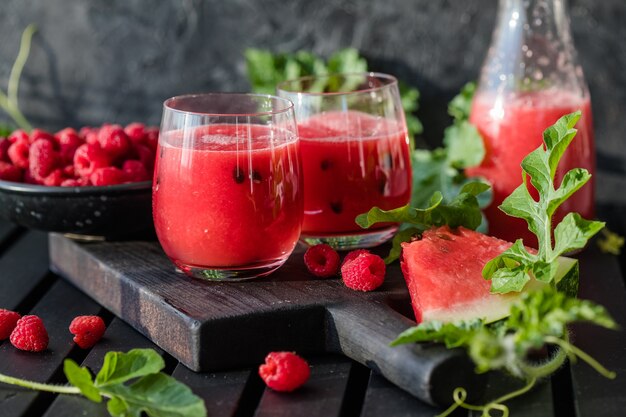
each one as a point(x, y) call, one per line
point(391, 80)
point(288, 104)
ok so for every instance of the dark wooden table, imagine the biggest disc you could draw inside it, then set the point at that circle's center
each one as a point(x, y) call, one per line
point(338, 386)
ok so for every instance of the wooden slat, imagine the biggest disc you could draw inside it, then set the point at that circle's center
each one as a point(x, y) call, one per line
point(57, 309)
point(382, 398)
point(595, 395)
point(322, 395)
point(119, 337)
point(22, 267)
point(222, 392)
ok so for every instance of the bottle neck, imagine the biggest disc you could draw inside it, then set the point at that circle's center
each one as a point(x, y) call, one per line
point(532, 49)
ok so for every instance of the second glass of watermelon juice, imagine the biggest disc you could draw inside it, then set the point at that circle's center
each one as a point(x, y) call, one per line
point(355, 154)
point(227, 190)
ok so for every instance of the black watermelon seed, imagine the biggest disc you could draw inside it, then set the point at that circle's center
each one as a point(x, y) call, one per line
point(238, 175)
point(382, 184)
point(336, 207)
point(326, 164)
point(161, 153)
point(158, 180)
point(256, 176)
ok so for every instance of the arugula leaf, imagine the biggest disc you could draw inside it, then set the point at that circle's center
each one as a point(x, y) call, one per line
point(511, 270)
point(461, 104)
point(462, 210)
point(81, 378)
point(452, 334)
point(537, 318)
point(119, 367)
point(158, 395)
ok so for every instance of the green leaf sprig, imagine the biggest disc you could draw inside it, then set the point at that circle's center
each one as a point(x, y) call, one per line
point(132, 382)
point(539, 318)
point(462, 210)
point(266, 69)
point(516, 266)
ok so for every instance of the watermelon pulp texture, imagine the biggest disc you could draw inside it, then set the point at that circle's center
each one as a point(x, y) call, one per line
point(443, 272)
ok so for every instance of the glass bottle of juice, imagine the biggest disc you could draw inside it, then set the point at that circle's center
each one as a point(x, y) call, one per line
point(530, 78)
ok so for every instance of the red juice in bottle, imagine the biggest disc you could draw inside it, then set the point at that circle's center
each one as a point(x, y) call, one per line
point(511, 128)
point(233, 197)
point(352, 161)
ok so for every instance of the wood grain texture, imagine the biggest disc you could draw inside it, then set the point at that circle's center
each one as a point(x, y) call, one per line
point(382, 398)
point(207, 326)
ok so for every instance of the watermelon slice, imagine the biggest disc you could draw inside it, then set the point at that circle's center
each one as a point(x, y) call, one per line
point(443, 272)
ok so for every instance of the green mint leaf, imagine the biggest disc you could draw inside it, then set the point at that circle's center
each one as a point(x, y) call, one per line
point(81, 379)
point(461, 104)
point(452, 334)
point(158, 395)
point(404, 235)
point(119, 367)
point(573, 232)
point(464, 144)
point(345, 61)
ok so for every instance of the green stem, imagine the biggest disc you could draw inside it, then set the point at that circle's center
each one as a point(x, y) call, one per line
point(20, 61)
point(15, 113)
point(530, 383)
point(546, 368)
point(59, 389)
point(568, 347)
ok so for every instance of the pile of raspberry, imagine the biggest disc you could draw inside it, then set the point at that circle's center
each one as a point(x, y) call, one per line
point(108, 155)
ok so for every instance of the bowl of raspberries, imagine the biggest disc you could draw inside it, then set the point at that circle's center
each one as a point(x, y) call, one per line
point(95, 181)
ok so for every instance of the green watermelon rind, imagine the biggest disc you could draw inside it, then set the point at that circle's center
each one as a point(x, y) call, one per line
point(499, 305)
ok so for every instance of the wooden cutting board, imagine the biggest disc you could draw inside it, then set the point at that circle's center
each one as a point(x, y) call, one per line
point(212, 325)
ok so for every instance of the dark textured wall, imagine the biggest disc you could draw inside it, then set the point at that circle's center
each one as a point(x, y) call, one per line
point(117, 60)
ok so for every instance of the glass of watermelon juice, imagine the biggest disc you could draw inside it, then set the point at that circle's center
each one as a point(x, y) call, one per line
point(355, 154)
point(227, 190)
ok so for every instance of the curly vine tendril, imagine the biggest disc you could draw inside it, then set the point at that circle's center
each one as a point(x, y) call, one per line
point(460, 395)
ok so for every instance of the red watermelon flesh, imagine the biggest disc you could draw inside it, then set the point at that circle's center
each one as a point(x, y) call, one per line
point(443, 272)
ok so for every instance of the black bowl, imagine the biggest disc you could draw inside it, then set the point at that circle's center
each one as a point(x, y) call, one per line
point(111, 212)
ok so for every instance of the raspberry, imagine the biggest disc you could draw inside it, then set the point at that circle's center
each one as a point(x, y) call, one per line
point(284, 371)
point(9, 172)
point(4, 150)
point(68, 141)
point(55, 178)
point(135, 132)
point(353, 255)
point(114, 141)
point(89, 134)
point(135, 171)
point(73, 182)
point(366, 272)
point(17, 135)
point(8, 320)
point(42, 159)
point(146, 156)
point(37, 134)
point(30, 334)
point(18, 152)
point(107, 176)
point(88, 158)
point(87, 330)
point(152, 137)
point(322, 260)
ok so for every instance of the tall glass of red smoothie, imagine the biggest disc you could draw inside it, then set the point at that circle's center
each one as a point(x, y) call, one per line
point(227, 191)
point(355, 154)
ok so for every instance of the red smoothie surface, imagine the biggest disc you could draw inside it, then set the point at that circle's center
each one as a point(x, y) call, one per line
point(352, 161)
point(223, 200)
point(514, 129)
